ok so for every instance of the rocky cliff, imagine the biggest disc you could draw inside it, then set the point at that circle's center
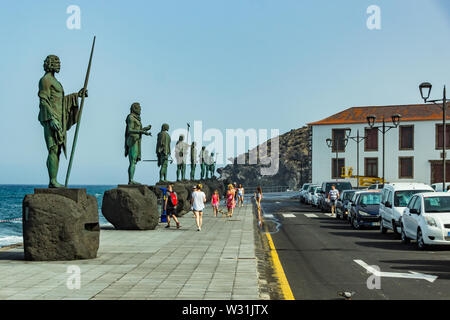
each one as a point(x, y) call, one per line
point(294, 162)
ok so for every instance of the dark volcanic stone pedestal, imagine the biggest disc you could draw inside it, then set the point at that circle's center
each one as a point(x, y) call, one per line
point(60, 224)
point(131, 207)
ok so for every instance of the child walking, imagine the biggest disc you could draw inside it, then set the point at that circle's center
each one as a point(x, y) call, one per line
point(215, 200)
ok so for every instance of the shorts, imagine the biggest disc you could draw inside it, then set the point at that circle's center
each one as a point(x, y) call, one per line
point(333, 202)
point(216, 205)
point(171, 211)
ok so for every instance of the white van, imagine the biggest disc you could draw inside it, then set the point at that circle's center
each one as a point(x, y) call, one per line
point(394, 199)
point(438, 186)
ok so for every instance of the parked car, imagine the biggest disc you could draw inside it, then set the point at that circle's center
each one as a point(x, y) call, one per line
point(395, 198)
point(342, 204)
point(426, 219)
point(324, 203)
point(309, 193)
point(376, 186)
point(303, 191)
point(315, 196)
point(438, 186)
point(364, 210)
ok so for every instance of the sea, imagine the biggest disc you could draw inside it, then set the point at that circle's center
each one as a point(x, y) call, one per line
point(11, 197)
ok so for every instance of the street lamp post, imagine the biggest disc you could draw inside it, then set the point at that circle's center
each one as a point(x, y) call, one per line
point(357, 139)
point(425, 90)
point(334, 143)
point(383, 129)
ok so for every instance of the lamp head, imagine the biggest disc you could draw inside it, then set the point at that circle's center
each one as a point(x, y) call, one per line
point(425, 90)
point(371, 120)
point(396, 119)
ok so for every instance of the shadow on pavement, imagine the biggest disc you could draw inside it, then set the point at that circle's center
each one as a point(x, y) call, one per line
point(386, 245)
point(440, 268)
point(12, 255)
point(367, 235)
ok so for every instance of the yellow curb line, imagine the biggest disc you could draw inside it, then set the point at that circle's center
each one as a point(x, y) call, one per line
point(279, 272)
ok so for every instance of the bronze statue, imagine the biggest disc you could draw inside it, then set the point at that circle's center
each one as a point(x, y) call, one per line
point(212, 165)
point(133, 137)
point(163, 151)
point(57, 114)
point(203, 157)
point(193, 160)
point(180, 156)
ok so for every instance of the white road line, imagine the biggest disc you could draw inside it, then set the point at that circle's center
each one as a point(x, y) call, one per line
point(311, 215)
point(411, 275)
point(328, 214)
point(288, 215)
point(268, 215)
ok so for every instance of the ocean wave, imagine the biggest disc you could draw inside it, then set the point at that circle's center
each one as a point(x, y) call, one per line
point(8, 240)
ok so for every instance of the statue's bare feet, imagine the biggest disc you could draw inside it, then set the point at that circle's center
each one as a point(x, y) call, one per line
point(132, 182)
point(55, 184)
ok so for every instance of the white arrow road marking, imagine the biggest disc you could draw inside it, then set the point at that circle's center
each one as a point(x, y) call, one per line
point(411, 275)
point(311, 215)
point(288, 215)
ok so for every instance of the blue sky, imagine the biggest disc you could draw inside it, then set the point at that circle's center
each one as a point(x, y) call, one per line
point(232, 64)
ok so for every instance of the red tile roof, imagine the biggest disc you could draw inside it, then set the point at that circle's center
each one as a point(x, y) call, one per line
point(412, 112)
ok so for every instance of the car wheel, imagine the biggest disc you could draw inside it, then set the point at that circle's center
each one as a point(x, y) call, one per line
point(404, 238)
point(356, 224)
point(420, 243)
point(383, 230)
point(394, 227)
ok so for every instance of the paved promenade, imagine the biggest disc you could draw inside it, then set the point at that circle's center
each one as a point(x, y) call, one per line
point(218, 262)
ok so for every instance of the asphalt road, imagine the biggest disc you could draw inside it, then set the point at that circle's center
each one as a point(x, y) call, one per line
point(318, 257)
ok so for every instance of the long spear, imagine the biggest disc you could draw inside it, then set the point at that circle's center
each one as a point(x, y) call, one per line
point(86, 80)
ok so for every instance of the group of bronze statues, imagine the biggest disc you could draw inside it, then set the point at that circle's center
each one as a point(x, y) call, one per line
point(59, 112)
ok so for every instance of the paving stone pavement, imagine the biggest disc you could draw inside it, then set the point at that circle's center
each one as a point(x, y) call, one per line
point(218, 262)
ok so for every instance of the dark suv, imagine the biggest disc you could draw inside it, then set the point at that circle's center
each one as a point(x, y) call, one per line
point(324, 204)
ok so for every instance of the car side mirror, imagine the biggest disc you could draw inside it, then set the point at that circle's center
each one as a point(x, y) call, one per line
point(413, 211)
point(387, 204)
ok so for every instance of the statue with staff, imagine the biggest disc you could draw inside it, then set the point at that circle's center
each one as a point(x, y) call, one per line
point(133, 137)
point(57, 114)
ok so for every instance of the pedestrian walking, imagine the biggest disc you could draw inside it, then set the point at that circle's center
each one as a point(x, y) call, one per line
point(198, 200)
point(231, 202)
point(215, 200)
point(235, 192)
point(241, 195)
point(170, 206)
point(333, 195)
point(258, 197)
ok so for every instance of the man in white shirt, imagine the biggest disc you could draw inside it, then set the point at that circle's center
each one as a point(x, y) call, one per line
point(198, 200)
point(333, 195)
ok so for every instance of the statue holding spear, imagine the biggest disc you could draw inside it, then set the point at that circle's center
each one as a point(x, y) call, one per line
point(57, 114)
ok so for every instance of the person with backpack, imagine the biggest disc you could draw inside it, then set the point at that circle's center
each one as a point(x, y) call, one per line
point(170, 206)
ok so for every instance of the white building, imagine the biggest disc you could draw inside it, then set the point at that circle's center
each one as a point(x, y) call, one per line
point(413, 151)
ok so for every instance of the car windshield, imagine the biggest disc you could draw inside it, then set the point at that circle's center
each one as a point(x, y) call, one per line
point(370, 199)
point(437, 204)
point(341, 186)
point(312, 190)
point(305, 187)
point(348, 195)
point(401, 198)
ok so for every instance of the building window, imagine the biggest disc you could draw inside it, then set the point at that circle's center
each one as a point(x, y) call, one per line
point(439, 136)
point(406, 167)
point(338, 136)
point(407, 138)
point(341, 164)
point(371, 167)
point(371, 142)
